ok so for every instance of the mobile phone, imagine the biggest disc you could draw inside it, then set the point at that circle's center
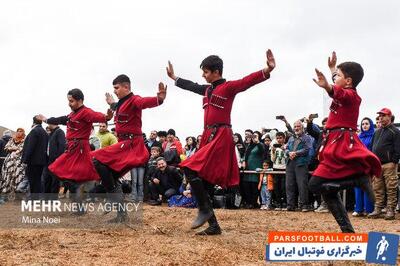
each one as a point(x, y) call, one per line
point(280, 117)
point(277, 145)
point(312, 116)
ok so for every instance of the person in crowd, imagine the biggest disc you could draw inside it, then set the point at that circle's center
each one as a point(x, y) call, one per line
point(215, 162)
point(267, 148)
point(12, 170)
point(152, 140)
point(151, 168)
point(363, 203)
point(344, 161)
point(190, 147)
point(114, 161)
point(253, 160)
point(378, 122)
point(105, 136)
point(172, 148)
point(198, 141)
point(314, 131)
point(94, 141)
point(166, 182)
point(56, 147)
point(237, 139)
point(162, 136)
point(278, 158)
point(265, 186)
point(34, 155)
point(248, 135)
point(386, 145)
point(185, 199)
point(75, 165)
point(297, 169)
point(7, 135)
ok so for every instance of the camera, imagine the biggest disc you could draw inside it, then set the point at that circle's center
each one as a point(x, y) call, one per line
point(280, 117)
point(312, 116)
point(277, 145)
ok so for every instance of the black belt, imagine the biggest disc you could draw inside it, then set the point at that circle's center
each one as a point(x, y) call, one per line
point(76, 142)
point(218, 125)
point(214, 128)
point(341, 130)
point(128, 136)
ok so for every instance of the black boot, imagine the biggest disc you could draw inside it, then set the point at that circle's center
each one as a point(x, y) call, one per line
point(338, 211)
point(116, 196)
point(203, 200)
point(212, 229)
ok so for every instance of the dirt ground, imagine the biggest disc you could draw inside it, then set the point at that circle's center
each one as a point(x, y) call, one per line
point(166, 239)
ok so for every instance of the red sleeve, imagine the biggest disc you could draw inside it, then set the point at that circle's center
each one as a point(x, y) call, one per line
point(146, 102)
point(179, 147)
point(243, 84)
point(342, 95)
point(94, 117)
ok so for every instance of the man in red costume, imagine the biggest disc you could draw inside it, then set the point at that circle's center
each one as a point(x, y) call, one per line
point(75, 165)
point(114, 161)
point(344, 160)
point(215, 162)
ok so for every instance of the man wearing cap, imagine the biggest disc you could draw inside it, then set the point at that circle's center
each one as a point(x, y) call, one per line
point(386, 145)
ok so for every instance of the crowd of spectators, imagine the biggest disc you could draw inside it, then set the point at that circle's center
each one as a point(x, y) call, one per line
point(275, 167)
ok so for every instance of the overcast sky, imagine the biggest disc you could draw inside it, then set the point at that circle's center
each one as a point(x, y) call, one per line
point(49, 47)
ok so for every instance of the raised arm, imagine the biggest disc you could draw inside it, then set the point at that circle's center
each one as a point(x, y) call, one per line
point(254, 78)
point(185, 84)
point(62, 120)
point(150, 102)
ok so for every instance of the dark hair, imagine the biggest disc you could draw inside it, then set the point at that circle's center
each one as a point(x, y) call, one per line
point(121, 79)
point(240, 141)
point(280, 134)
point(113, 129)
point(259, 134)
point(171, 132)
point(249, 130)
point(352, 70)
point(156, 148)
point(324, 120)
point(194, 142)
point(162, 133)
point(212, 63)
point(161, 159)
point(37, 121)
point(392, 118)
point(76, 94)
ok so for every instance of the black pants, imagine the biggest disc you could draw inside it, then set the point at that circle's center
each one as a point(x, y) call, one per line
point(296, 178)
point(51, 184)
point(34, 174)
point(157, 189)
point(109, 177)
point(251, 193)
point(279, 192)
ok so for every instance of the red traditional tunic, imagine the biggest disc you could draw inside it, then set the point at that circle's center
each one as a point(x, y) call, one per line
point(76, 163)
point(130, 150)
point(216, 160)
point(343, 154)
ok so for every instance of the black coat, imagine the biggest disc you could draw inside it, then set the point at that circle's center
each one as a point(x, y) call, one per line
point(170, 178)
point(3, 141)
point(57, 144)
point(35, 147)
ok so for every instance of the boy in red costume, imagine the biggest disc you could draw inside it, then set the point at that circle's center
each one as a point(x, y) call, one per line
point(114, 161)
point(344, 161)
point(215, 162)
point(75, 165)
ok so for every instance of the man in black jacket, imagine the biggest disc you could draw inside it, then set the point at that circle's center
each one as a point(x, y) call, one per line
point(166, 181)
point(3, 141)
point(386, 145)
point(34, 155)
point(56, 147)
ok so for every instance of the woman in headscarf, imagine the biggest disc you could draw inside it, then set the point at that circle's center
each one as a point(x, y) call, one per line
point(363, 204)
point(13, 171)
